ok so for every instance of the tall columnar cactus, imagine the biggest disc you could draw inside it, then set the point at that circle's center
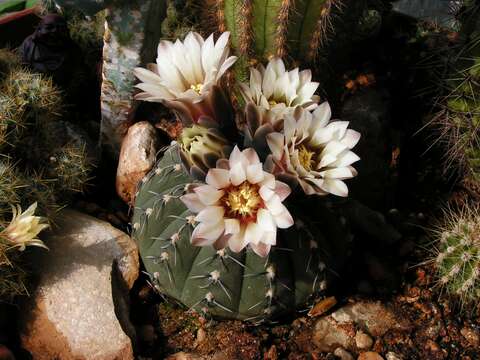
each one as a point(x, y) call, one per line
point(222, 283)
point(277, 28)
point(457, 256)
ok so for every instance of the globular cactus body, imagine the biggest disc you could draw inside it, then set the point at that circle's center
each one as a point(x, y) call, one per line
point(222, 283)
point(458, 255)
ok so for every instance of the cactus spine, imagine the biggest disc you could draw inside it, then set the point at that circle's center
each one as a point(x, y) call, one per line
point(221, 283)
point(457, 255)
point(30, 111)
point(278, 27)
point(459, 116)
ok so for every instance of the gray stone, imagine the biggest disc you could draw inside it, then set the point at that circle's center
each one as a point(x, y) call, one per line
point(71, 315)
point(137, 157)
point(363, 341)
point(328, 335)
point(132, 32)
point(373, 317)
point(342, 354)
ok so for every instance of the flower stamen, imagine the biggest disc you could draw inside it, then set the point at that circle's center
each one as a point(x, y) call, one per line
point(306, 157)
point(242, 201)
point(197, 88)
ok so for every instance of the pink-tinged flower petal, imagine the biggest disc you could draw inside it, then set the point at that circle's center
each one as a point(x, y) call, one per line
point(226, 65)
point(266, 193)
point(338, 129)
point(351, 138)
point(307, 90)
point(253, 233)
point(345, 160)
point(275, 205)
point(335, 187)
point(322, 115)
point(223, 164)
point(210, 214)
point(282, 190)
point(218, 178)
point(261, 249)
point(333, 148)
point(276, 142)
point(236, 157)
point(232, 226)
point(237, 174)
point(337, 173)
point(207, 234)
point(269, 237)
point(147, 76)
point(265, 220)
point(251, 156)
point(222, 242)
point(238, 241)
point(268, 180)
point(192, 202)
point(208, 194)
point(255, 173)
point(326, 161)
point(284, 219)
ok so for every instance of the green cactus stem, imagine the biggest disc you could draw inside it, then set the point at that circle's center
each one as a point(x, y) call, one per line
point(278, 27)
point(457, 255)
point(221, 283)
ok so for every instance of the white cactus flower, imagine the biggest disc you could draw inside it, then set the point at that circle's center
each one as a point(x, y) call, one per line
point(240, 205)
point(314, 152)
point(277, 91)
point(185, 72)
point(24, 228)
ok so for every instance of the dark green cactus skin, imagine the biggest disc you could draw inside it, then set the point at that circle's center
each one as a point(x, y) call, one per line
point(277, 25)
point(249, 287)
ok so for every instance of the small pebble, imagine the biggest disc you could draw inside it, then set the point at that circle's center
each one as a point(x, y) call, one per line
point(342, 354)
point(201, 336)
point(392, 356)
point(432, 346)
point(363, 341)
point(370, 355)
point(471, 336)
point(322, 306)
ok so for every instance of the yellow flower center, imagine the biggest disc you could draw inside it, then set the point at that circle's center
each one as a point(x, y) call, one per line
point(242, 201)
point(197, 88)
point(272, 102)
point(306, 157)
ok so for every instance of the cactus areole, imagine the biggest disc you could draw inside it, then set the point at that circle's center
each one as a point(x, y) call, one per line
point(220, 282)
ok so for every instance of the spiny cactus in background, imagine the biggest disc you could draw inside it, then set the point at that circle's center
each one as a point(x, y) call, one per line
point(178, 22)
point(71, 167)
point(458, 119)
point(13, 277)
point(8, 60)
point(34, 93)
point(222, 283)
point(277, 28)
point(30, 111)
point(457, 255)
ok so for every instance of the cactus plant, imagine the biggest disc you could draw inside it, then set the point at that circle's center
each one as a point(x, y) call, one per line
point(458, 118)
point(276, 28)
point(457, 254)
point(222, 283)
